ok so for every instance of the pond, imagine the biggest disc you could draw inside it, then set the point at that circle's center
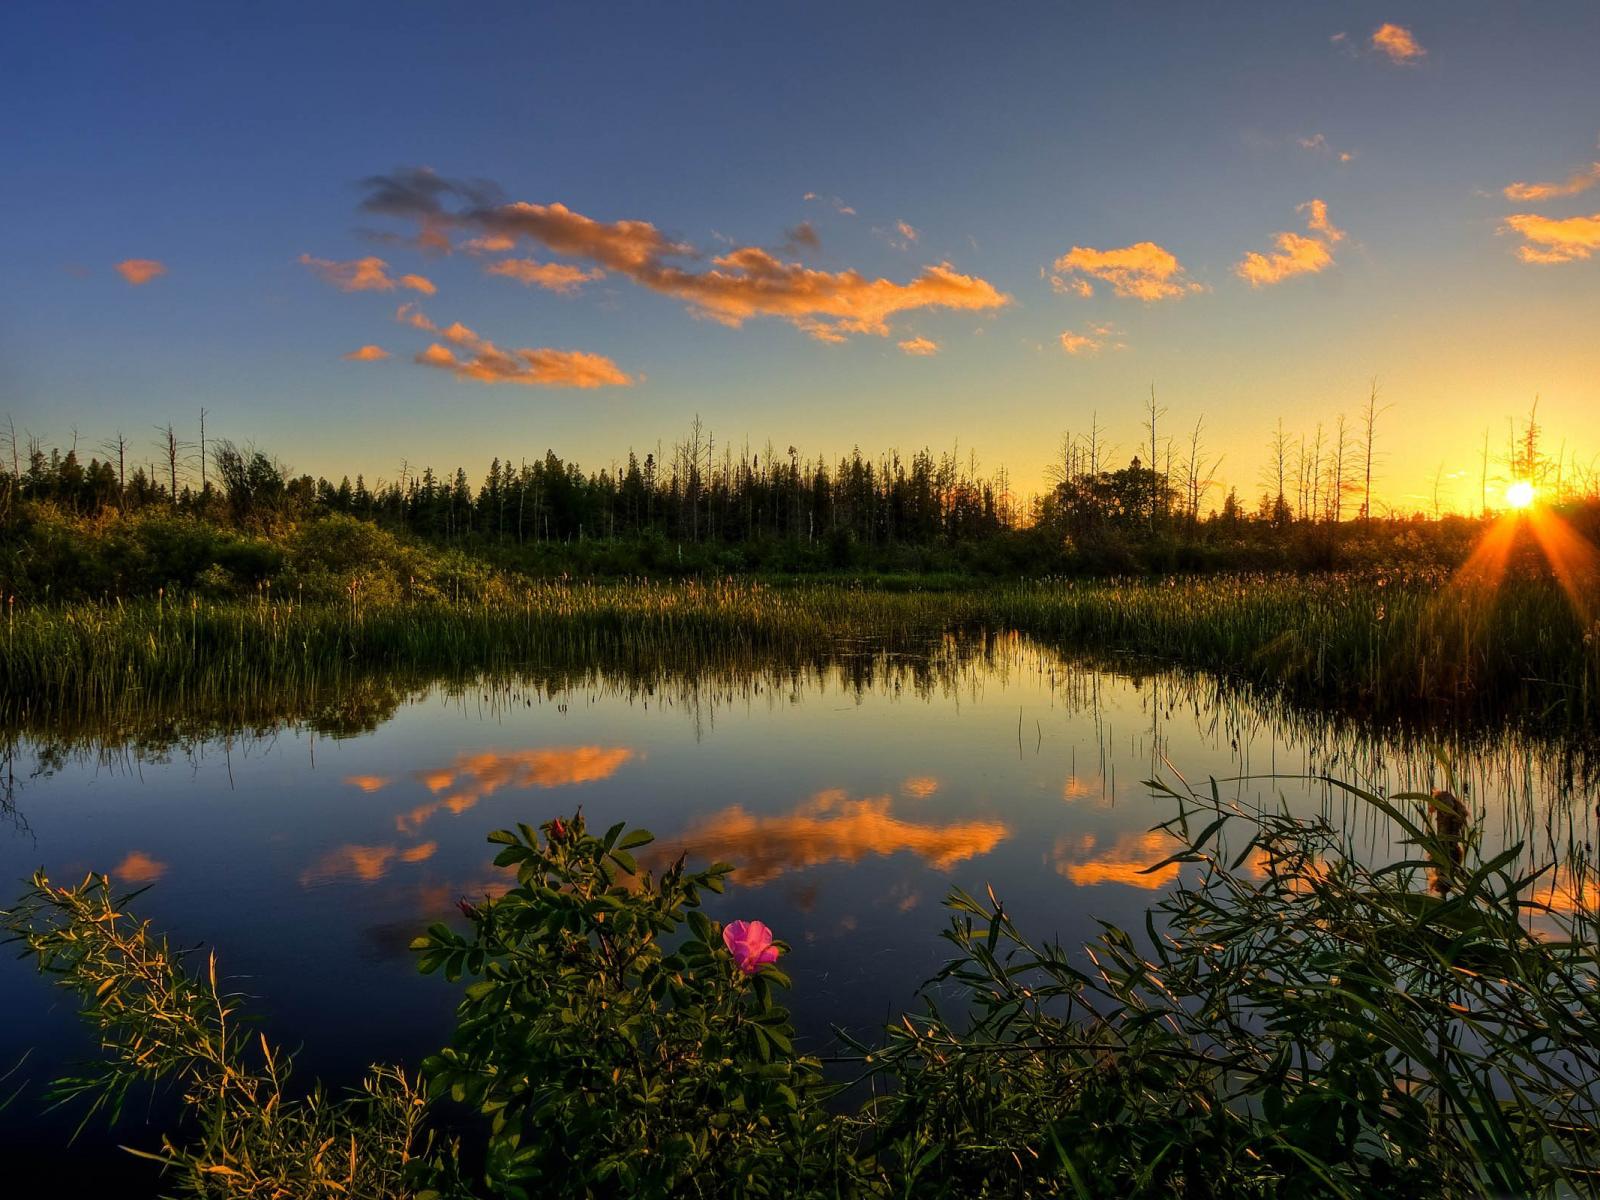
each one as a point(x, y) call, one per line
point(853, 792)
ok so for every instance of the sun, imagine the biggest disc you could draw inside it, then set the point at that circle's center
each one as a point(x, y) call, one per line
point(1519, 494)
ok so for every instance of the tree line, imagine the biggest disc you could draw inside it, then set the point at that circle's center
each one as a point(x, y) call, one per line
point(704, 491)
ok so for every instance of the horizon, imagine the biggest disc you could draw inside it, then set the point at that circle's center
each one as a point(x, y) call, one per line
point(349, 236)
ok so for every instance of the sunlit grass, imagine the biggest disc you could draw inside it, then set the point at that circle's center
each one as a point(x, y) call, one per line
point(1405, 646)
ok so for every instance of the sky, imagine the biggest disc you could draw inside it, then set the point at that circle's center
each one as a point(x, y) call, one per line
point(366, 234)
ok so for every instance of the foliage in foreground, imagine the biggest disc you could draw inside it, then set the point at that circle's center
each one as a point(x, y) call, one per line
point(1292, 1021)
point(251, 1134)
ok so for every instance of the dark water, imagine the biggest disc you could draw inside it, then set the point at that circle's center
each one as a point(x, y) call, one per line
point(853, 796)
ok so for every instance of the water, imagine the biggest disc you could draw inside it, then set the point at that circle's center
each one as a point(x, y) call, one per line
point(854, 794)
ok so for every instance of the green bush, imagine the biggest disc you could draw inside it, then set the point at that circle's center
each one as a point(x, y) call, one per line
point(609, 1037)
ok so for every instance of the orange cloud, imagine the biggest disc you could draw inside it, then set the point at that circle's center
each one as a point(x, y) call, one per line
point(140, 271)
point(1397, 42)
point(907, 230)
point(1142, 271)
point(533, 368)
point(494, 243)
point(1090, 342)
point(1548, 240)
point(370, 274)
point(827, 305)
point(1318, 221)
point(474, 775)
point(1296, 254)
point(919, 346)
point(1076, 788)
point(553, 277)
point(138, 867)
point(367, 353)
point(1084, 862)
point(1574, 184)
point(920, 786)
point(488, 363)
point(827, 828)
point(367, 783)
point(743, 283)
point(366, 863)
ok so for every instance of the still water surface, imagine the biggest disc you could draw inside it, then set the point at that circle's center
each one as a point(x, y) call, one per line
point(852, 794)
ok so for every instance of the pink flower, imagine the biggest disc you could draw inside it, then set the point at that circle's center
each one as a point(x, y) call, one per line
point(750, 943)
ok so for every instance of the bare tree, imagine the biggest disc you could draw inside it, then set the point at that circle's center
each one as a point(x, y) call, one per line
point(1198, 479)
point(173, 454)
point(1369, 423)
point(11, 442)
point(1483, 479)
point(1277, 475)
point(1339, 467)
point(1154, 415)
point(118, 447)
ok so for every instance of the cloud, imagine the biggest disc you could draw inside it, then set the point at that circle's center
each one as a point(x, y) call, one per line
point(1295, 253)
point(140, 271)
point(1142, 271)
point(494, 243)
point(838, 205)
point(1085, 863)
point(920, 786)
point(803, 235)
point(907, 230)
point(1318, 221)
point(1318, 144)
point(487, 363)
point(368, 274)
point(473, 775)
point(542, 367)
point(553, 277)
point(919, 346)
point(1574, 184)
point(138, 867)
point(1091, 341)
point(743, 283)
point(1397, 42)
point(366, 863)
point(829, 827)
point(1549, 240)
point(367, 353)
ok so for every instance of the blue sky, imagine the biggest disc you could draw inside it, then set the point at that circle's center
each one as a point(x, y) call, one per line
point(226, 142)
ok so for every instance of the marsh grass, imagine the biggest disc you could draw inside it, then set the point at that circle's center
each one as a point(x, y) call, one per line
point(1405, 648)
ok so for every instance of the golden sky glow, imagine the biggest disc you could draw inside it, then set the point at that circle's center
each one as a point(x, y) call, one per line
point(1258, 213)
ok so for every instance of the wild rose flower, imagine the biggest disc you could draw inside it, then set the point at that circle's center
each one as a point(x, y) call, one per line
point(750, 943)
point(558, 830)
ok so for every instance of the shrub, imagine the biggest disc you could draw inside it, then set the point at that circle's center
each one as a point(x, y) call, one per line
point(609, 1037)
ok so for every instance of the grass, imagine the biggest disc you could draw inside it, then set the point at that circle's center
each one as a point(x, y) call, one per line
point(1404, 648)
